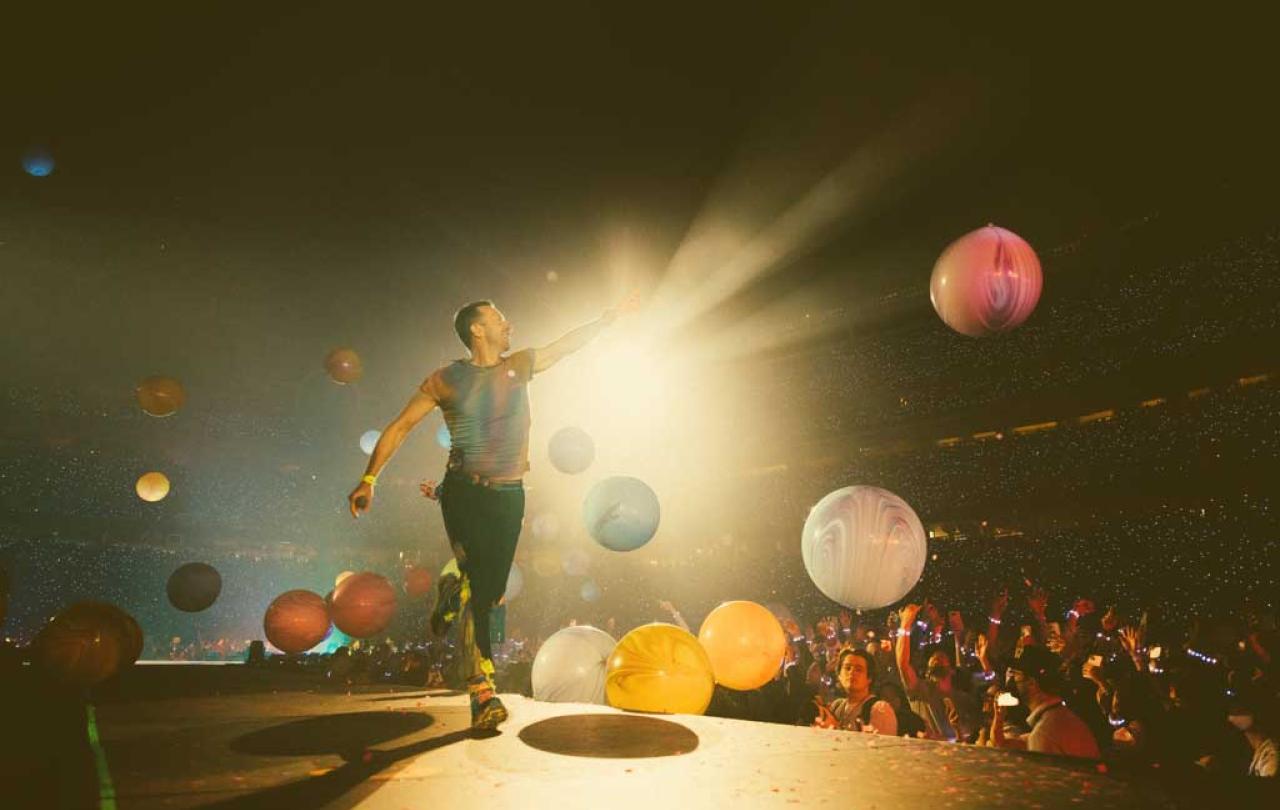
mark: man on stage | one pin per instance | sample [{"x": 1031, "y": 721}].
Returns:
[{"x": 486, "y": 408}]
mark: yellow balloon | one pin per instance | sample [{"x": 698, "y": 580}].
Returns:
[
  {"x": 745, "y": 644},
  {"x": 659, "y": 668},
  {"x": 152, "y": 487}
]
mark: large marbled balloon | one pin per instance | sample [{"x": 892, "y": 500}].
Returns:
[
  {"x": 659, "y": 668},
  {"x": 621, "y": 513},
  {"x": 986, "y": 282},
  {"x": 863, "y": 547},
  {"x": 570, "y": 666}
]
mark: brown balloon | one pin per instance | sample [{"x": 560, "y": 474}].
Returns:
[
  {"x": 160, "y": 396},
  {"x": 417, "y": 581},
  {"x": 363, "y": 604},
  {"x": 193, "y": 587},
  {"x": 87, "y": 643},
  {"x": 344, "y": 366},
  {"x": 296, "y": 621}
]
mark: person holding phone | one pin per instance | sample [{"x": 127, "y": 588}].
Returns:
[
  {"x": 1035, "y": 679},
  {"x": 950, "y": 712}
]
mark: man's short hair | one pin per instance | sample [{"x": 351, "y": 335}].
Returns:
[
  {"x": 463, "y": 318},
  {"x": 864, "y": 655},
  {"x": 1045, "y": 667}
]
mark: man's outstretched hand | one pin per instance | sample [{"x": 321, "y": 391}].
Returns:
[
  {"x": 360, "y": 498},
  {"x": 627, "y": 306}
]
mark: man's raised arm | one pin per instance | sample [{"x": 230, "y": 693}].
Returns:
[
  {"x": 547, "y": 356},
  {"x": 389, "y": 442}
]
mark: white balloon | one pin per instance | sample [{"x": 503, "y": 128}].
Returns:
[
  {"x": 863, "y": 547},
  {"x": 570, "y": 667},
  {"x": 576, "y": 563},
  {"x": 369, "y": 440},
  {"x": 546, "y": 526}
]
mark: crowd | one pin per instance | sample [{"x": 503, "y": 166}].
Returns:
[{"x": 1094, "y": 683}]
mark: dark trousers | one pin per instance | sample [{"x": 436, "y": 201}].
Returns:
[{"x": 483, "y": 524}]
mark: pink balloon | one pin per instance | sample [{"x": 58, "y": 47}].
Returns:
[{"x": 986, "y": 282}]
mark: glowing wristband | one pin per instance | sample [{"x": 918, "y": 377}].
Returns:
[
  {"x": 371, "y": 480},
  {"x": 993, "y": 620}
]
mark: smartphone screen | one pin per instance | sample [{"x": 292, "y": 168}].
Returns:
[
  {"x": 1155, "y": 651},
  {"x": 1006, "y": 699}
]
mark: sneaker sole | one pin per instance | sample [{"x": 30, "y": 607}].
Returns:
[{"x": 491, "y": 718}]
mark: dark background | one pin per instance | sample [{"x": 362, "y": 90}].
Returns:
[{"x": 240, "y": 189}]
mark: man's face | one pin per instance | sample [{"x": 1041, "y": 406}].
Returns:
[
  {"x": 494, "y": 328},
  {"x": 1020, "y": 685},
  {"x": 853, "y": 675},
  {"x": 939, "y": 667}
]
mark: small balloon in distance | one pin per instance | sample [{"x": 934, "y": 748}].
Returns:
[
  {"x": 571, "y": 450},
  {"x": 37, "y": 162},
  {"x": 344, "y": 366},
  {"x": 152, "y": 487},
  {"x": 160, "y": 396}
]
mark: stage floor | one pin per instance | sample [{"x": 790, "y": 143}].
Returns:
[{"x": 411, "y": 749}]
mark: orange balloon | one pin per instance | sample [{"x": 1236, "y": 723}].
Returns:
[
  {"x": 152, "y": 487},
  {"x": 160, "y": 396},
  {"x": 86, "y": 644},
  {"x": 363, "y": 604},
  {"x": 344, "y": 366},
  {"x": 296, "y": 621},
  {"x": 417, "y": 581},
  {"x": 745, "y": 643}
]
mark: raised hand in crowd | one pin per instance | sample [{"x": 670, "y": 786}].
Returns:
[{"x": 1131, "y": 638}]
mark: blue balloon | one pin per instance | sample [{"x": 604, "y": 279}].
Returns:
[
  {"x": 443, "y": 438},
  {"x": 621, "y": 513},
  {"x": 38, "y": 163}
]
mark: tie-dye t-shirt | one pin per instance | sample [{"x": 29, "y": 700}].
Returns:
[{"x": 487, "y": 413}]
